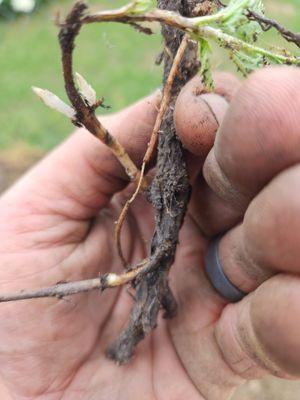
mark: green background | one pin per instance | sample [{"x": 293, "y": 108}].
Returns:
[{"x": 118, "y": 62}]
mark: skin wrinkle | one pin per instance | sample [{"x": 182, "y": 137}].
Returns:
[
  {"x": 73, "y": 240},
  {"x": 211, "y": 110},
  {"x": 251, "y": 346},
  {"x": 44, "y": 393},
  {"x": 38, "y": 272},
  {"x": 38, "y": 225},
  {"x": 238, "y": 264},
  {"x": 255, "y": 350},
  {"x": 223, "y": 355},
  {"x": 184, "y": 369},
  {"x": 196, "y": 223},
  {"x": 41, "y": 351},
  {"x": 268, "y": 359},
  {"x": 52, "y": 201},
  {"x": 234, "y": 378},
  {"x": 251, "y": 267},
  {"x": 219, "y": 182},
  {"x": 220, "y": 332},
  {"x": 266, "y": 121},
  {"x": 100, "y": 329}
]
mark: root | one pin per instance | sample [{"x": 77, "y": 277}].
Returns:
[{"x": 152, "y": 143}]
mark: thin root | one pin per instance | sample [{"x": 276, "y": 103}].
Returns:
[{"x": 152, "y": 143}]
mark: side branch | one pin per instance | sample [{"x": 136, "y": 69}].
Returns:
[
  {"x": 62, "y": 290},
  {"x": 85, "y": 113},
  {"x": 199, "y": 26},
  {"x": 268, "y": 23}
]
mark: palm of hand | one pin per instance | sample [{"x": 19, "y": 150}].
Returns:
[{"x": 58, "y": 347}]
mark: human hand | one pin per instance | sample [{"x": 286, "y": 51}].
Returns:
[{"x": 57, "y": 225}]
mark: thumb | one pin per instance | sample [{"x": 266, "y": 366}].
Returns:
[{"x": 198, "y": 114}]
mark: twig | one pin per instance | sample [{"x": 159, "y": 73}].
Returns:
[
  {"x": 233, "y": 43},
  {"x": 85, "y": 114},
  {"x": 62, "y": 290},
  {"x": 268, "y": 23},
  {"x": 153, "y": 140},
  {"x": 192, "y": 25}
]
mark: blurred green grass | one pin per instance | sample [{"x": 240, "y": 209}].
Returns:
[{"x": 114, "y": 58}]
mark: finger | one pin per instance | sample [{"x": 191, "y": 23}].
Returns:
[
  {"x": 81, "y": 175},
  {"x": 267, "y": 242},
  {"x": 258, "y": 138},
  {"x": 222, "y": 346},
  {"x": 197, "y": 118},
  {"x": 197, "y": 115},
  {"x": 260, "y": 335},
  {"x": 199, "y": 306}
]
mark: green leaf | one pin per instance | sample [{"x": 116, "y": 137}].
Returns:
[
  {"x": 245, "y": 63},
  {"x": 236, "y": 22},
  {"x": 205, "y": 70}
]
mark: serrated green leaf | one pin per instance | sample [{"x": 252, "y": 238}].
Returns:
[
  {"x": 236, "y": 22},
  {"x": 205, "y": 70},
  {"x": 245, "y": 63}
]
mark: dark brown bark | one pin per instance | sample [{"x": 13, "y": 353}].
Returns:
[
  {"x": 268, "y": 23},
  {"x": 169, "y": 195}
]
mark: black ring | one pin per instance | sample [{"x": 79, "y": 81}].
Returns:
[{"x": 216, "y": 275}]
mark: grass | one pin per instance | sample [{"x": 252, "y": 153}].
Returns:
[{"x": 114, "y": 58}]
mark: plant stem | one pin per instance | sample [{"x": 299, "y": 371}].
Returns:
[
  {"x": 62, "y": 290},
  {"x": 197, "y": 26}
]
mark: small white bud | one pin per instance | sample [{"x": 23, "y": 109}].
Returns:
[
  {"x": 86, "y": 90},
  {"x": 54, "y": 102},
  {"x": 112, "y": 279}
]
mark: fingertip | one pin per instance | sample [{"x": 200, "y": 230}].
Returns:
[
  {"x": 198, "y": 114},
  {"x": 197, "y": 118},
  {"x": 195, "y": 122}
]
